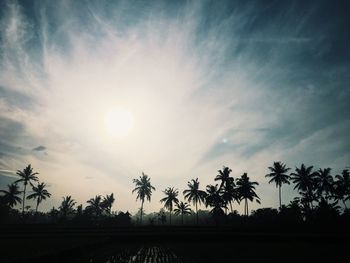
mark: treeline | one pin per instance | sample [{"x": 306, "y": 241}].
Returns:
[{"x": 319, "y": 199}]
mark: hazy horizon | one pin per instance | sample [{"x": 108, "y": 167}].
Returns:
[{"x": 200, "y": 85}]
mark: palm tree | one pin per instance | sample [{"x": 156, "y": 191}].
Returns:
[
  {"x": 169, "y": 199},
  {"x": 95, "y": 205},
  {"x": 246, "y": 190},
  {"x": 40, "y": 193},
  {"x": 183, "y": 209},
  {"x": 194, "y": 195},
  {"x": 278, "y": 175},
  {"x": 107, "y": 203},
  {"x": 215, "y": 200},
  {"x": 342, "y": 187},
  {"x": 143, "y": 189},
  {"x": 324, "y": 182},
  {"x": 26, "y": 176},
  {"x": 10, "y": 196},
  {"x": 67, "y": 206},
  {"x": 224, "y": 176},
  {"x": 304, "y": 180}
]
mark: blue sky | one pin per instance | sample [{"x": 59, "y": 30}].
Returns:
[{"x": 208, "y": 83}]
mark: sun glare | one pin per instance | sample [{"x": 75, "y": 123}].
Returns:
[{"x": 119, "y": 122}]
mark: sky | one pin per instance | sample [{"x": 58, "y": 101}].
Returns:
[{"x": 204, "y": 83}]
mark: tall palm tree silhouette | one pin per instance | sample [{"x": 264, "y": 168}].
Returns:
[
  {"x": 95, "y": 205},
  {"x": 324, "y": 183},
  {"x": 170, "y": 199},
  {"x": 67, "y": 206},
  {"x": 246, "y": 190},
  {"x": 182, "y": 209},
  {"x": 342, "y": 186},
  {"x": 26, "y": 176},
  {"x": 230, "y": 193},
  {"x": 215, "y": 200},
  {"x": 194, "y": 194},
  {"x": 279, "y": 176},
  {"x": 304, "y": 180},
  {"x": 143, "y": 189},
  {"x": 40, "y": 194},
  {"x": 224, "y": 176},
  {"x": 107, "y": 203},
  {"x": 10, "y": 197}
]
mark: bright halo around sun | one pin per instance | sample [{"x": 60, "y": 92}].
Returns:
[{"x": 119, "y": 122}]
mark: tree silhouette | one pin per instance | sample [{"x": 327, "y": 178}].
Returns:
[
  {"x": 224, "y": 176},
  {"x": 246, "y": 190},
  {"x": 194, "y": 195},
  {"x": 10, "y": 197},
  {"x": 67, "y": 206},
  {"x": 342, "y": 187},
  {"x": 324, "y": 183},
  {"x": 40, "y": 194},
  {"x": 143, "y": 189},
  {"x": 304, "y": 180},
  {"x": 170, "y": 199},
  {"x": 26, "y": 176},
  {"x": 107, "y": 203},
  {"x": 278, "y": 176},
  {"x": 215, "y": 200},
  {"x": 230, "y": 193},
  {"x": 95, "y": 205},
  {"x": 182, "y": 209}
]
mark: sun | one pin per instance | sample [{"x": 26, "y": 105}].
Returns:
[{"x": 119, "y": 122}]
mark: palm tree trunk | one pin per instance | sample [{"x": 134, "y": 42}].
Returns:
[
  {"x": 37, "y": 205},
  {"x": 170, "y": 216},
  {"x": 279, "y": 190},
  {"x": 24, "y": 198},
  {"x": 197, "y": 212},
  {"x": 231, "y": 207},
  {"x": 182, "y": 218},
  {"x": 141, "y": 209},
  {"x": 246, "y": 207}
]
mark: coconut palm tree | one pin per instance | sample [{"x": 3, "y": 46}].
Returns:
[
  {"x": 40, "y": 194},
  {"x": 246, "y": 190},
  {"x": 224, "y": 176},
  {"x": 170, "y": 199},
  {"x": 324, "y": 183},
  {"x": 95, "y": 205},
  {"x": 107, "y": 203},
  {"x": 194, "y": 194},
  {"x": 143, "y": 189},
  {"x": 342, "y": 187},
  {"x": 304, "y": 180},
  {"x": 215, "y": 200},
  {"x": 279, "y": 176},
  {"x": 26, "y": 176},
  {"x": 230, "y": 194},
  {"x": 10, "y": 197},
  {"x": 182, "y": 209},
  {"x": 67, "y": 206}
]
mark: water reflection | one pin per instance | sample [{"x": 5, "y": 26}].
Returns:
[{"x": 152, "y": 254}]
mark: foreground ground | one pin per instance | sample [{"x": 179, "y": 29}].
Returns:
[{"x": 45, "y": 243}]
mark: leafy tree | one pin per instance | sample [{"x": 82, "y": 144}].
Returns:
[
  {"x": 26, "y": 176},
  {"x": 67, "y": 206},
  {"x": 182, "y": 209},
  {"x": 304, "y": 180},
  {"x": 246, "y": 190},
  {"x": 10, "y": 197},
  {"x": 224, "y": 176},
  {"x": 170, "y": 199},
  {"x": 143, "y": 189},
  {"x": 40, "y": 194},
  {"x": 194, "y": 194},
  {"x": 278, "y": 175}
]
